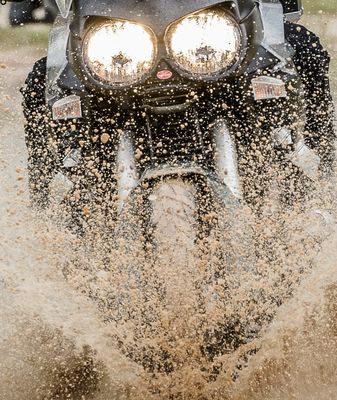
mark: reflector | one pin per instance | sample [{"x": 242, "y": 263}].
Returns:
[
  {"x": 67, "y": 108},
  {"x": 267, "y": 87}
]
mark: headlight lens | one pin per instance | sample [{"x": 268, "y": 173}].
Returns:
[
  {"x": 204, "y": 43},
  {"x": 119, "y": 52}
]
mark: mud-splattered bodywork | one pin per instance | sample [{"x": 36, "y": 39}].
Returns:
[{"x": 201, "y": 101}]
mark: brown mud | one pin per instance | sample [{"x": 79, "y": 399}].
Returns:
[{"x": 55, "y": 345}]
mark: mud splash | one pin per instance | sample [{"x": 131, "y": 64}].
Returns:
[
  {"x": 297, "y": 358},
  {"x": 56, "y": 344},
  {"x": 50, "y": 335}
]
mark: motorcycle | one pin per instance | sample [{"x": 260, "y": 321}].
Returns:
[
  {"x": 24, "y": 12},
  {"x": 170, "y": 117}
]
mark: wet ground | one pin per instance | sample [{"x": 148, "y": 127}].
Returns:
[{"x": 49, "y": 331}]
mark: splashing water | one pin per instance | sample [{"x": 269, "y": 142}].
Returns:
[
  {"x": 56, "y": 344},
  {"x": 52, "y": 334}
]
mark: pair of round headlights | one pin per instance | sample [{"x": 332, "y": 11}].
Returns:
[{"x": 202, "y": 44}]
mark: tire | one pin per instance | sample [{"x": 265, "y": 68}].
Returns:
[
  {"x": 41, "y": 162},
  {"x": 156, "y": 266},
  {"x": 173, "y": 294},
  {"x": 165, "y": 220},
  {"x": 174, "y": 213}
]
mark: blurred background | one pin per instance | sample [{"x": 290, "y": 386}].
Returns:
[
  {"x": 320, "y": 16},
  {"x": 314, "y": 6}
]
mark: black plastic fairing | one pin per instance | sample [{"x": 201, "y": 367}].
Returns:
[
  {"x": 157, "y": 14},
  {"x": 291, "y": 6}
]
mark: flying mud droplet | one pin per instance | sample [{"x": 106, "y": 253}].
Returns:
[{"x": 105, "y": 138}]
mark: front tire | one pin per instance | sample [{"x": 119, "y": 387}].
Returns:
[{"x": 181, "y": 261}]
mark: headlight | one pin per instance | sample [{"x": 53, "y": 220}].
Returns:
[
  {"x": 119, "y": 52},
  {"x": 204, "y": 43}
]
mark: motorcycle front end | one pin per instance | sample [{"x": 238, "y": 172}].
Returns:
[
  {"x": 170, "y": 120},
  {"x": 249, "y": 71}
]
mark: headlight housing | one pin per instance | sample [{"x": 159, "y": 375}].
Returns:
[
  {"x": 204, "y": 43},
  {"x": 119, "y": 53}
]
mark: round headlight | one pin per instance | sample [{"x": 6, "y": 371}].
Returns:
[
  {"x": 204, "y": 43},
  {"x": 119, "y": 52}
]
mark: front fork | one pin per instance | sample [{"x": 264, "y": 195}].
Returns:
[
  {"x": 225, "y": 163},
  {"x": 225, "y": 160}
]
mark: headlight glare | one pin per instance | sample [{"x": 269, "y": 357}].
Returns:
[
  {"x": 204, "y": 43},
  {"x": 119, "y": 52}
]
